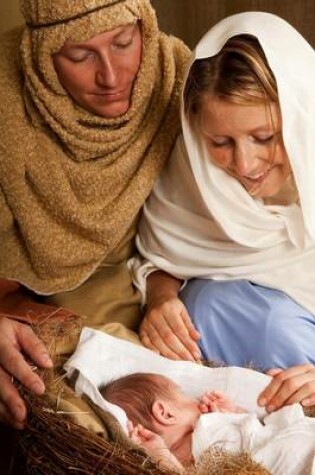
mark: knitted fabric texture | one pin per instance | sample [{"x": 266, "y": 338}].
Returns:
[
  {"x": 72, "y": 183},
  {"x": 39, "y": 13}
]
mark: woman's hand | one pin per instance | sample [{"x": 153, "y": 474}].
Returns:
[
  {"x": 167, "y": 328},
  {"x": 289, "y": 386},
  {"x": 18, "y": 339}
]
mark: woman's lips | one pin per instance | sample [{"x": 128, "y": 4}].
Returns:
[{"x": 258, "y": 177}]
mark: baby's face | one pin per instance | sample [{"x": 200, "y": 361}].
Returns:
[{"x": 188, "y": 413}]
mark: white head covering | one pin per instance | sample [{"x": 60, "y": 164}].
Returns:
[{"x": 201, "y": 222}]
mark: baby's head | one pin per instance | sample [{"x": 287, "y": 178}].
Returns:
[
  {"x": 155, "y": 402},
  {"x": 136, "y": 393}
]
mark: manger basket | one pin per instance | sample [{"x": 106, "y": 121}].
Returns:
[{"x": 56, "y": 442}]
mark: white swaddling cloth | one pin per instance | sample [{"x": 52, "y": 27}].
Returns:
[
  {"x": 101, "y": 358},
  {"x": 284, "y": 443}
]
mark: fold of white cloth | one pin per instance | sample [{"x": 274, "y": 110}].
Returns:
[
  {"x": 284, "y": 442},
  {"x": 101, "y": 358}
]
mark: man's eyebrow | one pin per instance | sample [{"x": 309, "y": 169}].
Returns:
[
  {"x": 125, "y": 29},
  {"x": 83, "y": 45}
]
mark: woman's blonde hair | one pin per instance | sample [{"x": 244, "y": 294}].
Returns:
[{"x": 239, "y": 73}]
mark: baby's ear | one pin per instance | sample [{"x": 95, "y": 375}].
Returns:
[{"x": 163, "y": 412}]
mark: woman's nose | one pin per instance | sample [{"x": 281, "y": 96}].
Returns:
[
  {"x": 106, "y": 74},
  {"x": 244, "y": 159}
]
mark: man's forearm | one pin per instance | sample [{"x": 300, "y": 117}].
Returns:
[{"x": 19, "y": 303}]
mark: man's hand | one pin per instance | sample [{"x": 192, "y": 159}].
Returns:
[{"x": 16, "y": 340}]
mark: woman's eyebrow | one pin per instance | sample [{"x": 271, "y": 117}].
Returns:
[{"x": 263, "y": 128}]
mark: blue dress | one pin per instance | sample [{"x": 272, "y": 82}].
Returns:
[{"x": 242, "y": 323}]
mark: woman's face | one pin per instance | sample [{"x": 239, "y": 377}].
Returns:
[
  {"x": 246, "y": 141},
  {"x": 99, "y": 73}
]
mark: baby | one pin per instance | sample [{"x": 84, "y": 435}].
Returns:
[
  {"x": 175, "y": 429},
  {"x": 161, "y": 417}
]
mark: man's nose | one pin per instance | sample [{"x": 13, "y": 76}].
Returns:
[{"x": 106, "y": 74}]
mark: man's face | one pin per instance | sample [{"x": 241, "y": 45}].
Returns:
[{"x": 99, "y": 73}]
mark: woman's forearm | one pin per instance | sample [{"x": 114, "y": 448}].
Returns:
[{"x": 161, "y": 286}]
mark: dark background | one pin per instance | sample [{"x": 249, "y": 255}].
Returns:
[{"x": 190, "y": 19}]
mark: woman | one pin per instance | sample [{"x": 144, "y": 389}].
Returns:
[
  {"x": 89, "y": 113},
  {"x": 234, "y": 207}
]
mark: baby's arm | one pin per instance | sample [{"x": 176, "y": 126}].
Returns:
[
  {"x": 215, "y": 401},
  {"x": 154, "y": 446}
]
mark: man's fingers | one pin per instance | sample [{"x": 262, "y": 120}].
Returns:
[
  {"x": 33, "y": 347},
  {"x": 17, "y": 340},
  {"x": 12, "y": 407},
  {"x": 14, "y": 364},
  {"x": 7, "y": 419}
]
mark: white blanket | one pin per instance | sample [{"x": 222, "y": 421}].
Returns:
[
  {"x": 284, "y": 444},
  {"x": 100, "y": 358}
]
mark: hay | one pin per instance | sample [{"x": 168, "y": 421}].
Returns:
[
  {"x": 54, "y": 443},
  {"x": 216, "y": 461}
]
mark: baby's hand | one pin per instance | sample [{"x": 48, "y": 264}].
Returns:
[
  {"x": 154, "y": 446},
  {"x": 148, "y": 440},
  {"x": 215, "y": 401}
]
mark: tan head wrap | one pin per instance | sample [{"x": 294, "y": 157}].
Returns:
[{"x": 72, "y": 182}]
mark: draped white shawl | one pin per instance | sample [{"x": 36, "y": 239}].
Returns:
[{"x": 200, "y": 222}]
